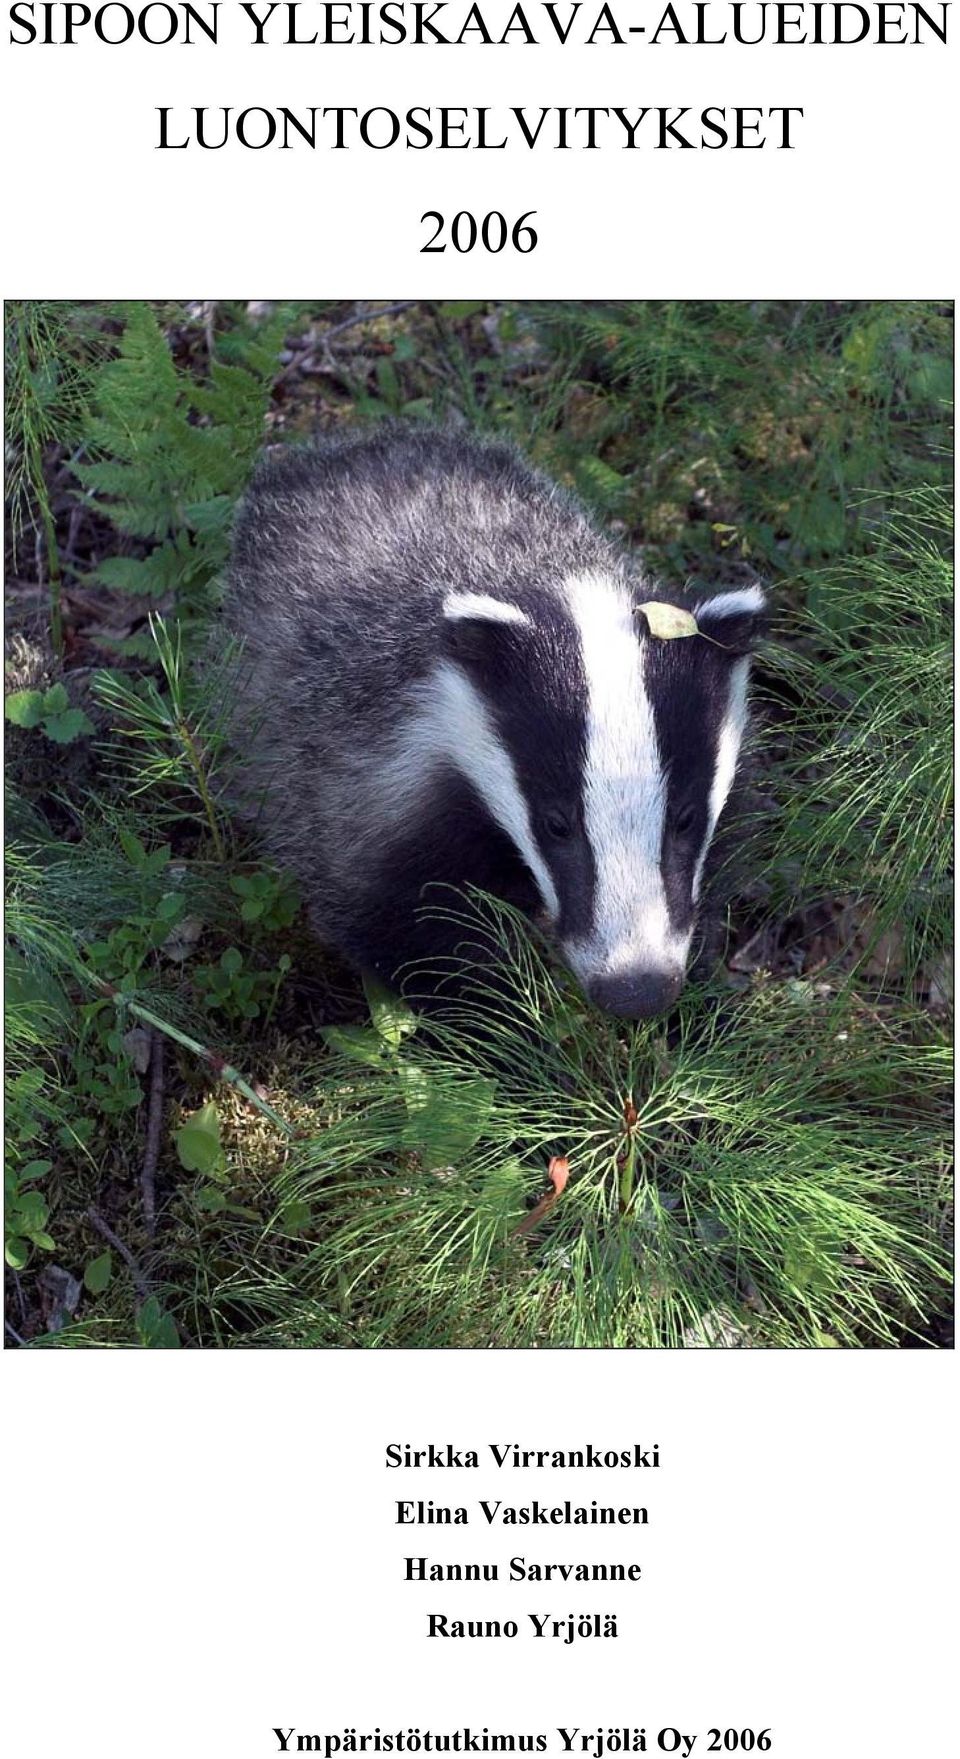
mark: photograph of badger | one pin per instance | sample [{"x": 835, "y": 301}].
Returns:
[
  {"x": 479, "y": 822},
  {"x": 448, "y": 678}
]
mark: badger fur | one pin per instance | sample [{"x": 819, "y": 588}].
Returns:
[{"x": 446, "y": 677}]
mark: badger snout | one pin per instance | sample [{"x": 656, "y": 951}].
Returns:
[{"x": 635, "y": 995}]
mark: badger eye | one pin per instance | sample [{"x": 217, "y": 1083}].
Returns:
[
  {"x": 557, "y": 825},
  {"x": 684, "y": 821}
]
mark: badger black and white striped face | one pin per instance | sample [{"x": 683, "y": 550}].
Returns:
[{"x": 606, "y": 754}]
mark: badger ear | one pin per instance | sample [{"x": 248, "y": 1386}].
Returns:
[
  {"x": 734, "y": 620},
  {"x": 477, "y": 627}
]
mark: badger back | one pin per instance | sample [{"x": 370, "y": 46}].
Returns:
[
  {"x": 345, "y": 553},
  {"x": 379, "y": 521}
]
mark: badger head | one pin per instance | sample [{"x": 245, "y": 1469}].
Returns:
[{"x": 606, "y": 753}]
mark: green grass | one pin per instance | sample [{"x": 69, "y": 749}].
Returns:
[
  {"x": 770, "y": 1166},
  {"x": 797, "y": 1206},
  {"x": 865, "y": 780}
]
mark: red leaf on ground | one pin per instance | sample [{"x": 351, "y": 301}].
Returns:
[{"x": 558, "y": 1173}]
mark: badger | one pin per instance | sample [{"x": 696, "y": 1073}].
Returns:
[{"x": 447, "y": 679}]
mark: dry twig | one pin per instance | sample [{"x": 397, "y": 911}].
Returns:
[{"x": 139, "y": 1280}]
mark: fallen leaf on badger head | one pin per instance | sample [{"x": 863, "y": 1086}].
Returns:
[{"x": 668, "y": 622}]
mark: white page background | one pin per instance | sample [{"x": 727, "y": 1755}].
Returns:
[
  {"x": 198, "y": 1548},
  {"x": 861, "y": 206},
  {"x": 212, "y": 1550}
]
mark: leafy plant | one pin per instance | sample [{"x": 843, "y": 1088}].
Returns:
[
  {"x": 97, "y": 1274},
  {"x": 170, "y": 455},
  {"x": 50, "y": 711},
  {"x": 229, "y": 988},
  {"x": 156, "y": 1328},
  {"x": 267, "y": 897},
  {"x": 50, "y": 358},
  {"x": 25, "y": 1212}
]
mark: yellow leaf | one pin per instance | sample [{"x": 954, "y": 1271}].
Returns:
[{"x": 668, "y": 622}]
